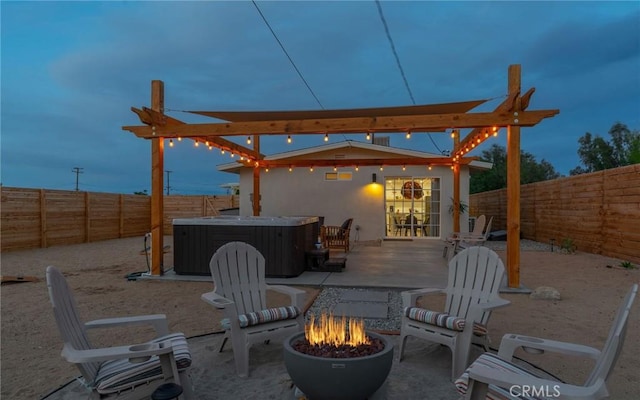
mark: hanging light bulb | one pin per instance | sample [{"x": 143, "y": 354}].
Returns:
[
  {"x": 207, "y": 143},
  {"x": 196, "y": 144},
  {"x": 381, "y": 168},
  {"x": 179, "y": 138},
  {"x": 408, "y": 134},
  {"x": 266, "y": 169},
  {"x": 404, "y": 167},
  {"x": 368, "y": 136},
  {"x": 248, "y": 139},
  {"x": 232, "y": 155},
  {"x": 210, "y": 147},
  {"x": 335, "y": 168},
  {"x": 290, "y": 168},
  {"x": 429, "y": 167},
  {"x": 241, "y": 158},
  {"x": 453, "y": 134},
  {"x": 357, "y": 168},
  {"x": 221, "y": 151},
  {"x": 170, "y": 142},
  {"x": 310, "y": 169},
  {"x": 289, "y": 139},
  {"x": 326, "y": 137}
]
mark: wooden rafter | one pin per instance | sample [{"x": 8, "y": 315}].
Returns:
[
  {"x": 356, "y": 162},
  {"x": 344, "y": 125}
]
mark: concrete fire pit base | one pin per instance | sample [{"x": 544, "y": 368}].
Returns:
[{"x": 322, "y": 378}]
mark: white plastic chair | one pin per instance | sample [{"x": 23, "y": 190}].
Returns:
[
  {"x": 492, "y": 376},
  {"x": 238, "y": 272},
  {"x": 122, "y": 372},
  {"x": 472, "y": 293}
]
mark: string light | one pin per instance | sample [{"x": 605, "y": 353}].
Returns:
[
  {"x": 207, "y": 143},
  {"x": 179, "y": 138},
  {"x": 335, "y": 168},
  {"x": 326, "y": 137},
  {"x": 290, "y": 168},
  {"x": 429, "y": 167},
  {"x": 221, "y": 151},
  {"x": 408, "y": 134},
  {"x": 453, "y": 134},
  {"x": 232, "y": 155},
  {"x": 310, "y": 169},
  {"x": 404, "y": 167},
  {"x": 357, "y": 168},
  {"x": 381, "y": 168},
  {"x": 170, "y": 142},
  {"x": 210, "y": 147},
  {"x": 266, "y": 169},
  {"x": 368, "y": 136},
  {"x": 248, "y": 139},
  {"x": 196, "y": 144},
  {"x": 289, "y": 139}
]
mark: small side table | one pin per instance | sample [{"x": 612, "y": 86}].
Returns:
[{"x": 316, "y": 258}]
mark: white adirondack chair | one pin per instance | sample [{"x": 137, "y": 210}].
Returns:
[
  {"x": 238, "y": 272},
  {"x": 472, "y": 293},
  {"x": 451, "y": 241},
  {"x": 492, "y": 376},
  {"x": 469, "y": 241},
  {"x": 122, "y": 372}
]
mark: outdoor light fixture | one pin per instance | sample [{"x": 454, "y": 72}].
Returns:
[
  {"x": 374, "y": 178},
  {"x": 326, "y": 137},
  {"x": 368, "y": 136},
  {"x": 310, "y": 169},
  {"x": 356, "y": 167},
  {"x": 289, "y": 139},
  {"x": 404, "y": 167},
  {"x": 429, "y": 167},
  {"x": 453, "y": 134},
  {"x": 335, "y": 168},
  {"x": 170, "y": 142},
  {"x": 381, "y": 168},
  {"x": 248, "y": 139},
  {"x": 290, "y": 169},
  {"x": 221, "y": 151},
  {"x": 196, "y": 143},
  {"x": 232, "y": 155},
  {"x": 266, "y": 170},
  {"x": 210, "y": 147},
  {"x": 408, "y": 134}
]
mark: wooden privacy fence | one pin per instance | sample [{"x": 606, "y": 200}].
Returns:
[
  {"x": 33, "y": 218},
  {"x": 599, "y": 212}
]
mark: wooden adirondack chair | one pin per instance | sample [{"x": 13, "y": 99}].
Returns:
[
  {"x": 472, "y": 293},
  {"x": 122, "y": 372},
  {"x": 238, "y": 272},
  {"x": 336, "y": 237},
  {"x": 491, "y": 376}
]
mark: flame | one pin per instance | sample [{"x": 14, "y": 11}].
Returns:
[{"x": 335, "y": 331}]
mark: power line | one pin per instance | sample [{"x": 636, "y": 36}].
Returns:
[
  {"x": 395, "y": 54},
  {"x": 287, "y": 54}
]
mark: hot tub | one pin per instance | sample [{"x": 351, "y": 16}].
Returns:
[{"x": 281, "y": 240}]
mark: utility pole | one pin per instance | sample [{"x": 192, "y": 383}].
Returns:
[
  {"x": 168, "y": 185},
  {"x": 78, "y": 171}
]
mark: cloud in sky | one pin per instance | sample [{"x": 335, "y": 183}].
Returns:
[{"x": 72, "y": 70}]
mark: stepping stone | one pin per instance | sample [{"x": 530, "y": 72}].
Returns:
[
  {"x": 361, "y": 310},
  {"x": 365, "y": 295}
]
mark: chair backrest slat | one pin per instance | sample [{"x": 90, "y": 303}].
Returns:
[
  {"x": 613, "y": 346},
  {"x": 70, "y": 326},
  {"x": 238, "y": 271}
]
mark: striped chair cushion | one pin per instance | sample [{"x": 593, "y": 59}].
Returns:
[
  {"x": 442, "y": 320},
  {"x": 495, "y": 392},
  {"x": 264, "y": 316},
  {"x": 117, "y": 375}
]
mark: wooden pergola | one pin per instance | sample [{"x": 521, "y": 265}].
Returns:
[{"x": 511, "y": 114}]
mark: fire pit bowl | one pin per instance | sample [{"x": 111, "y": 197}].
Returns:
[{"x": 323, "y": 378}]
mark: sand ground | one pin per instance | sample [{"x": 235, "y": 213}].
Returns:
[{"x": 592, "y": 287}]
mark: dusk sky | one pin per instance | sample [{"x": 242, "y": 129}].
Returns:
[{"x": 71, "y": 71}]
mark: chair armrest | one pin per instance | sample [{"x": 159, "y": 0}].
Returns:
[
  {"x": 510, "y": 342},
  {"x": 516, "y": 383},
  {"x": 410, "y": 297},
  {"x": 216, "y": 300},
  {"x": 136, "y": 353},
  {"x": 492, "y": 305},
  {"x": 158, "y": 321},
  {"x": 297, "y": 296}
]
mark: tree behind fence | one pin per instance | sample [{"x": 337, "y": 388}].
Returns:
[
  {"x": 599, "y": 212},
  {"x": 33, "y": 218}
]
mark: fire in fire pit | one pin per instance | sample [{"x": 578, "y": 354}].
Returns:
[
  {"x": 337, "y": 359},
  {"x": 333, "y": 337}
]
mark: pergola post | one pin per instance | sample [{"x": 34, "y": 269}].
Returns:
[
  {"x": 256, "y": 178},
  {"x": 157, "y": 175},
  {"x": 513, "y": 183},
  {"x": 456, "y": 183}
]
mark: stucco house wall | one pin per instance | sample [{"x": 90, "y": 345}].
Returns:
[{"x": 303, "y": 192}]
